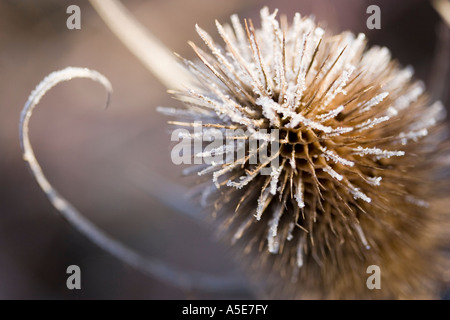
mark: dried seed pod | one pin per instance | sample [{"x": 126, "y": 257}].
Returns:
[{"x": 359, "y": 157}]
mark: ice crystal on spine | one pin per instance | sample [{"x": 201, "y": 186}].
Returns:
[{"x": 351, "y": 127}]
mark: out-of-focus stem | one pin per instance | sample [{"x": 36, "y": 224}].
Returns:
[
  {"x": 145, "y": 46},
  {"x": 443, "y": 7},
  {"x": 441, "y": 64}
]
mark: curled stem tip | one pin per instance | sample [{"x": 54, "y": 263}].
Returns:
[{"x": 148, "y": 265}]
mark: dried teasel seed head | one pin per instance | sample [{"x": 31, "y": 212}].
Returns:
[{"x": 360, "y": 151}]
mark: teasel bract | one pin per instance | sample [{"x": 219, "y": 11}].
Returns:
[{"x": 360, "y": 159}]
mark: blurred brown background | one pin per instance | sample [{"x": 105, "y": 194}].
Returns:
[{"x": 114, "y": 165}]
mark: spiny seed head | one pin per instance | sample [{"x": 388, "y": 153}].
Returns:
[{"x": 358, "y": 152}]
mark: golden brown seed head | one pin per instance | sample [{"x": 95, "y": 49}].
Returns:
[{"x": 359, "y": 152}]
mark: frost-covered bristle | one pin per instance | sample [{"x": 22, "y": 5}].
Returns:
[
  {"x": 333, "y": 173},
  {"x": 351, "y": 126},
  {"x": 332, "y": 156}
]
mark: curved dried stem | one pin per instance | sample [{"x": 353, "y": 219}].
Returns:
[
  {"x": 151, "y": 266},
  {"x": 147, "y": 48},
  {"x": 441, "y": 64},
  {"x": 443, "y": 7}
]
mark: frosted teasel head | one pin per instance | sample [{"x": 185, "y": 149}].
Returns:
[
  {"x": 362, "y": 156},
  {"x": 358, "y": 147}
]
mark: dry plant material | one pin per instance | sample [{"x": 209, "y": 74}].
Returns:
[
  {"x": 361, "y": 159},
  {"x": 148, "y": 265}
]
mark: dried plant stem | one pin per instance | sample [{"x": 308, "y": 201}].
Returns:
[
  {"x": 443, "y": 7},
  {"x": 146, "y": 47},
  {"x": 441, "y": 64},
  {"x": 151, "y": 266}
]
